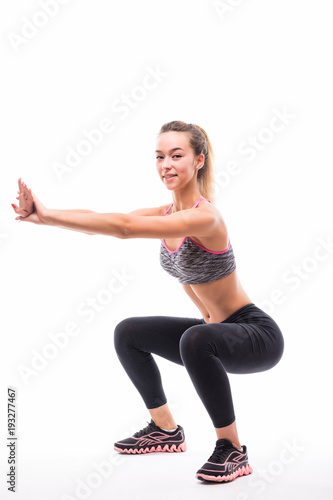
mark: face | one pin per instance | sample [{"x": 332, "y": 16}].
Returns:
[{"x": 175, "y": 160}]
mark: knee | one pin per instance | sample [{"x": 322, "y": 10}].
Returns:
[
  {"x": 193, "y": 342},
  {"x": 122, "y": 334}
]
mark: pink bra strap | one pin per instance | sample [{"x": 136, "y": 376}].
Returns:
[
  {"x": 197, "y": 203},
  {"x": 167, "y": 210}
]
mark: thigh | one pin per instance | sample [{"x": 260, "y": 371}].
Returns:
[
  {"x": 248, "y": 341},
  {"x": 157, "y": 334},
  {"x": 243, "y": 348}
]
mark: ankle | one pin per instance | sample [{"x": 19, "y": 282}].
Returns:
[
  {"x": 163, "y": 417},
  {"x": 166, "y": 425},
  {"x": 235, "y": 443}
]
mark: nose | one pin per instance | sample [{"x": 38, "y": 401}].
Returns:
[{"x": 166, "y": 163}]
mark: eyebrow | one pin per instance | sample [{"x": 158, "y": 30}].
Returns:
[{"x": 173, "y": 149}]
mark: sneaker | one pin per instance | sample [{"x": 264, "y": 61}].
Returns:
[
  {"x": 153, "y": 438},
  {"x": 225, "y": 464}
]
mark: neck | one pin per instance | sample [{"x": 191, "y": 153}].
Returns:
[{"x": 183, "y": 201}]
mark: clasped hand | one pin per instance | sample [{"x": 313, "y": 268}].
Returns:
[{"x": 30, "y": 209}]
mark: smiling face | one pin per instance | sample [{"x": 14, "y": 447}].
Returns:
[{"x": 175, "y": 160}]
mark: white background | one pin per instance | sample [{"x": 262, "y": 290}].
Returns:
[{"x": 228, "y": 70}]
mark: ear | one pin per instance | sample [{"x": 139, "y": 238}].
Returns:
[{"x": 201, "y": 161}]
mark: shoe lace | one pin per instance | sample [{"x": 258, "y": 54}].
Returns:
[
  {"x": 221, "y": 451},
  {"x": 146, "y": 430}
]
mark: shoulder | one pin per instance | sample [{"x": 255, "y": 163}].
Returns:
[
  {"x": 210, "y": 209},
  {"x": 215, "y": 233},
  {"x": 151, "y": 211}
]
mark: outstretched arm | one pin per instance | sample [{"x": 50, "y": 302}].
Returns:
[
  {"x": 119, "y": 225},
  {"x": 29, "y": 205},
  {"x": 191, "y": 221},
  {"x": 87, "y": 222}
]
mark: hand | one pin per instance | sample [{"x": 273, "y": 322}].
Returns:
[
  {"x": 30, "y": 209},
  {"x": 26, "y": 204}
]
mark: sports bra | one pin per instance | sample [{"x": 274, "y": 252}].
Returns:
[{"x": 192, "y": 263}]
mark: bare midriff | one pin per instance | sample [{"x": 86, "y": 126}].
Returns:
[{"x": 218, "y": 299}]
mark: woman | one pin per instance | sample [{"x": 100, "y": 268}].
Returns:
[{"x": 232, "y": 336}]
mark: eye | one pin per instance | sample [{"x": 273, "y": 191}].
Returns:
[{"x": 177, "y": 156}]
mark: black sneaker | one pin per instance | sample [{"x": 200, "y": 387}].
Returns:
[
  {"x": 225, "y": 464},
  {"x": 153, "y": 438}
]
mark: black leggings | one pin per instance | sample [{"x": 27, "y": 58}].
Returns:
[{"x": 248, "y": 341}]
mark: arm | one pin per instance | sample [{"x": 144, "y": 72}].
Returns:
[
  {"x": 191, "y": 221},
  {"x": 27, "y": 202},
  {"x": 139, "y": 211},
  {"x": 79, "y": 210},
  {"x": 86, "y": 222},
  {"x": 119, "y": 225},
  {"x": 149, "y": 211}
]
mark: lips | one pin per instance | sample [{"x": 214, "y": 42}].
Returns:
[{"x": 169, "y": 176}]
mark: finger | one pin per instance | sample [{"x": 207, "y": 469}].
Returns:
[
  {"x": 26, "y": 191},
  {"x": 22, "y": 218},
  {"x": 20, "y": 211},
  {"x": 24, "y": 186}
]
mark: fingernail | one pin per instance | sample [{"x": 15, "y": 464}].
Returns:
[{"x": 13, "y": 205}]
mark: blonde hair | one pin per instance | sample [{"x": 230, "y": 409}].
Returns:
[{"x": 200, "y": 143}]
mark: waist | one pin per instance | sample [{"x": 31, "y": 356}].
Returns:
[{"x": 248, "y": 313}]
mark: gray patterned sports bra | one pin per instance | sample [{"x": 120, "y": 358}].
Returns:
[{"x": 192, "y": 263}]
